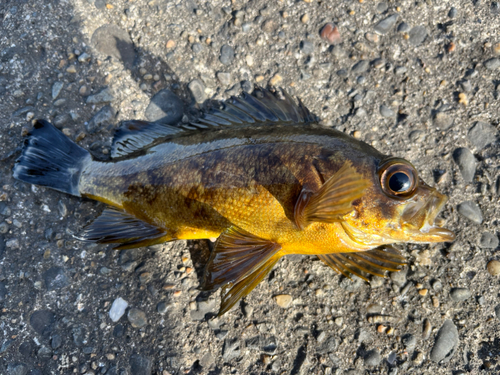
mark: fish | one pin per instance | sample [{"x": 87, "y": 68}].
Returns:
[{"x": 256, "y": 172}]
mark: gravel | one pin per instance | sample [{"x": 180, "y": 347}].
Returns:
[
  {"x": 384, "y": 26},
  {"x": 117, "y": 309},
  {"x": 197, "y": 90},
  {"x": 471, "y": 211},
  {"x": 417, "y": 34},
  {"x": 482, "y": 135},
  {"x": 446, "y": 343},
  {"x": 488, "y": 241},
  {"x": 226, "y": 54},
  {"x": 165, "y": 107},
  {"x": 460, "y": 294},
  {"x": 466, "y": 163}
]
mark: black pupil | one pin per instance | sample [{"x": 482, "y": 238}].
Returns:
[{"x": 399, "y": 182}]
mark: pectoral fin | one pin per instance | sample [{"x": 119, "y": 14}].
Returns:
[
  {"x": 365, "y": 263},
  {"x": 114, "y": 226},
  {"x": 239, "y": 262},
  {"x": 333, "y": 200}
]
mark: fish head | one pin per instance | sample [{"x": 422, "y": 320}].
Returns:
[{"x": 398, "y": 206}]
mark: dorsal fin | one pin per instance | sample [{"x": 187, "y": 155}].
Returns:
[
  {"x": 135, "y": 135},
  {"x": 262, "y": 106}
]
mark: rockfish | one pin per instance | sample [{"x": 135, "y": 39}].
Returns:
[{"x": 259, "y": 174}]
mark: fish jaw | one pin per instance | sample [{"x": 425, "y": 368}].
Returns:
[{"x": 418, "y": 218}]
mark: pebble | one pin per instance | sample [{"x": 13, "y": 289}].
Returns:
[
  {"x": 113, "y": 41},
  {"x": 140, "y": 365},
  {"x": 17, "y": 369},
  {"x": 55, "y": 278},
  {"x": 471, "y": 211},
  {"x": 226, "y": 54},
  {"x": 137, "y": 318},
  {"x": 231, "y": 349},
  {"x": 165, "y": 107},
  {"x": 463, "y": 99},
  {"x": 399, "y": 278},
  {"x": 493, "y": 268},
  {"x": 202, "y": 308},
  {"x": 372, "y": 358},
  {"x": 386, "y": 111},
  {"x": 56, "y": 89},
  {"x": 409, "y": 341},
  {"x": 460, "y": 294},
  {"x": 224, "y": 78},
  {"x": 283, "y": 300},
  {"x": 417, "y": 35},
  {"x": 466, "y": 163},
  {"x": 306, "y": 47},
  {"x": 492, "y": 64},
  {"x": 117, "y": 309},
  {"x": 269, "y": 26},
  {"x": 43, "y": 321},
  {"x": 446, "y": 343},
  {"x": 197, "y": 90},
  {"x": 71, "y": 69},
  {"x": 403, "y": 27},
  {"x": 103, "y": 117},
  {"x": 443, "y": 121},
  {"x": 84, "y": 57},
  {"x": 331, "y": 34},
  {"x": 103, "y": 97},
  {"x": 382, "y": 7},
  {"x": 453, "y": 12},
  {"x": 482, "y": 135},
  {"x": 247, "y": 86},
  {"x": 488, "y": 241},
  {"x": 305, "y": 18},
  {"x": 275, "y": 80},
  {"x": 361, "y": 66},
  {"x": 385, "y": 25}
]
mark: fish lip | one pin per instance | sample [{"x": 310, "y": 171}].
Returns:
[{"x": 421, "y": 222}]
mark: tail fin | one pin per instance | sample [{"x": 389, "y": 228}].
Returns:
[{"x": 51, "y": 159}]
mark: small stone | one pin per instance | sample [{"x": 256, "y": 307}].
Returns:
[
  {"x": 162, "y": 307},
  {"x": 165, "y": 107},
  {"x": 84, "y": 57},
  {"x": 492, "y": 64},
  {"x": 140, "y": 365},
  {"x": 283, "y": 300},
  {"x": 110, "y": 40},
  {"x": 384, "y": 26},
  {"x": 403, "y": 27},
  {"x": 117, "y": 309},
  {"x": 170, "y": 44},
  {"x": 197, "y": 90},
  {"x": 372, "y": 358},
  {"x": 275, "y": 80},
  {"x": 247, "y": 86},
  {"x": 482, "y": 135},
  {"x": 466, "y": 163},
  {"x": 463, "y": 99},
  {"x": 361, "y": 66},
  {"x": 305, "y": 18},
  {"x": 488, "y": 241},
  {"x": 307, "y": 47},
  {"x": 409, "y": 341},
  {"x": 493, "y": 268},
  {"x": 17, "y": 369},
  {"x": 42, "y": 321},
  {"x": 137, "y": 318},
  {"x": 446, "y": 343},
  {"x": 453, "y": 12},
  {"x": 56, "y": 89},
  {"x": 55, "y": 278},
  {"x": 400, "y": 70},
  {"x": 207, "y": 360},
  {"x": 71, "y": 69},
  {"x": 224, "y": 78},
  {"x": 226, "y": 54},
  {"x": 103, "y": 117},
  {"x": 231, "y": 349},
  {"x": 460, "y": 294},
  {"x": 102, "y": 97},
  {"x": 371, "y": 37},
  {"x": 269, "y": 26},
  {"x": 386, "y": 111},
  {"x": 443, "y": 121},
  {"x": 399, "y": 278},
  {"x": 382, "y": 7},
  {"x": 331, "y": 34},
  {"x": 471, "y": 211},
  {"x": 417, "y": 35}
]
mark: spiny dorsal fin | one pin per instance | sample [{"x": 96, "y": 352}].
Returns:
[
  {"x": 365, "y": 263},
  {"x": 262, "y": 106},
  {"x": 134, "y": 135},
  {"x": 333, "y": 200},
  {"x": 238, "y": 262},
  {"x": 114, "y": 226}
]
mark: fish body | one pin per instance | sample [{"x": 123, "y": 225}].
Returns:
[{"x": 260, "y": 175}]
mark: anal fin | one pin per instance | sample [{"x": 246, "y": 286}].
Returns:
[
  {"x": 114, "y": 226},
  {"x": 333, "y": 200},
  {"x": 239, "y": 261},
  {"x": 365, "y": 263}
]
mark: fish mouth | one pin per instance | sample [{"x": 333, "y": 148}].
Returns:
[{"x": 419, "y": 218}]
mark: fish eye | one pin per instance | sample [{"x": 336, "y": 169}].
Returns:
[{"x": 398, "y": 178}]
